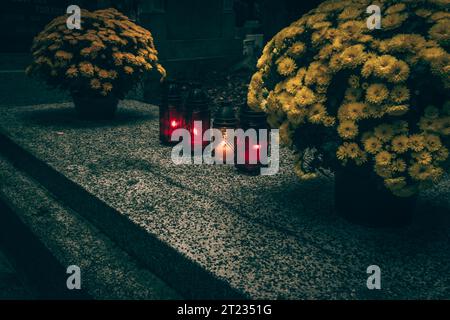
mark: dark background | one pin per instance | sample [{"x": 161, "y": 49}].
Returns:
[
  {"x": 197, "y": 40},
  {"x": 21, "y": 20}
]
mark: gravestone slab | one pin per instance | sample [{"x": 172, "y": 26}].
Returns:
[{"x": 264, "y": 237}]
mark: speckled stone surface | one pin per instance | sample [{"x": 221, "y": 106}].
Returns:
[
  {"x": 268, "y": 237},
  {"x": 106, "y": 271}
]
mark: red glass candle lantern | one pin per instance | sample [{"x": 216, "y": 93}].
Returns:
[
  {"x": 225, "y": 119},
  {"x": 171, "y": 113},
  {"x": 254, "y": 149},
  {"x": 198, "y": 118}
]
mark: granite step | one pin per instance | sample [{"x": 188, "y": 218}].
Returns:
[
  {"x": 43, "y": 238},
  {"x": 211, "y": 232}
]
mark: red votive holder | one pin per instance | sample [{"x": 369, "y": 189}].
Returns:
[
  {"x": 198, "y": 118},
  {"x": 171, "y": 113},
  {"x": 254, "y": 148}
]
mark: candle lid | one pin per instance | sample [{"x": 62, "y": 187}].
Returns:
[
  {"x": 197, "y": 99},
  {"x": 251, "y": 117},
  {"x": 172, "y": 91},
  {"x": 225, "y": 116}
]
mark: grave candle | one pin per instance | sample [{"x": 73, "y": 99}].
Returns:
[
  {"x": 171, "y": 113},
  {"x": 225, "y": 119},
  {"x": 250, "y": 119},
  {"x": 198, "y": 118}
]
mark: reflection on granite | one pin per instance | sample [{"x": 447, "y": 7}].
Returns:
[{"x": 267, "y": 236}]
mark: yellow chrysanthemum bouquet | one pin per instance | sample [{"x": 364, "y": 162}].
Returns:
[
  {"x": 378, "y": 100},
  {"x": 107, "y": 57}
]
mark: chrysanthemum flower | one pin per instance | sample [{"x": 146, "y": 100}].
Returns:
[
  {"x": 393, "y": 21},
  {"x": 384, "y": 132},
  {"x": 292, "y": 85},
  {"x": 297, "y": 49},
  {"x": 400, "y": 144},
  {"x": 86, "y": 69},
  {"x": 417, "y": 142},
  {"x": 257, "y": 81},
  {"x": 54, "y": 47},
  {"x": 368, "y": 68},
  {"x": 396, "y": 8},
  {"x": 352, "y": 111},
  {"x": 423, "y": 13},
  {"x": 442, "y": 154},
  {"x": 316, "y": 113},
  {"x": 285, "y": 134},
  {"x": 263, "y": 61},
  {"x": 426, "y": 124},
  {"x": 400, "y": 94},
  {"x": 328, "y": 121},
  {"x": 353, "y": 150},
  {"x": 305, "y": 97},
  {"x": 432, "y": 142},
  {"x": 325, "y": 52},
  {"x": 286, "y": 66},
  {"x": 419, "y": 172},
  {"x": 399, "y": 72},
  {"x": 440, "y": 32},
  {"x": 400, "y": 127},
  {"x": 373, "y": 145},
  {"x": 353, "y": 29},
  {"x": 398, "y": 110},
  {"x": 113, "y": 74},
  {"x": 104, "y": 74},
  {"x": 395, "y": 183},
  {"x": 383, "y": 158},
  {"x": 348, "y": 129},
  {"x": 384, "y": 171},
  {"x": 107, "y": 88},
  {"x": 440, "y": 15},
  {"x": 296, "y": 116},
  {"x": 341, "y": 153},
  {"x": 398, "y": 165},
  {"x": 377, "y": 93},
  {"x": 424, "y": 158},
  {"x": 353, "y": 56},
  {"x": 350, "y": 12},
  {"x": 63, "y": 55},
  {"x": 407, "y": 43},
  {"x": 335, "y": 63},
  {"x": 433, "y": 54},
  {"x": 72, "y": 72},
  {"x": 95, "y": 84},
  {"x": 128, "y": 70},
  {"x": 376, "y": 111},
  {"x": 383, "y": 65},
  {"x": 252, "y": 98}
]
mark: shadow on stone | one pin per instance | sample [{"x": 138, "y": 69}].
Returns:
[
  {"x": 68, "y": 118},
  {"x": 120, "y": 164}
]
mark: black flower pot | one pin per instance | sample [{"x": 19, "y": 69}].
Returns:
[
  {"x": 361, "y": 200},
  {"x": 98, "y": 108}
]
